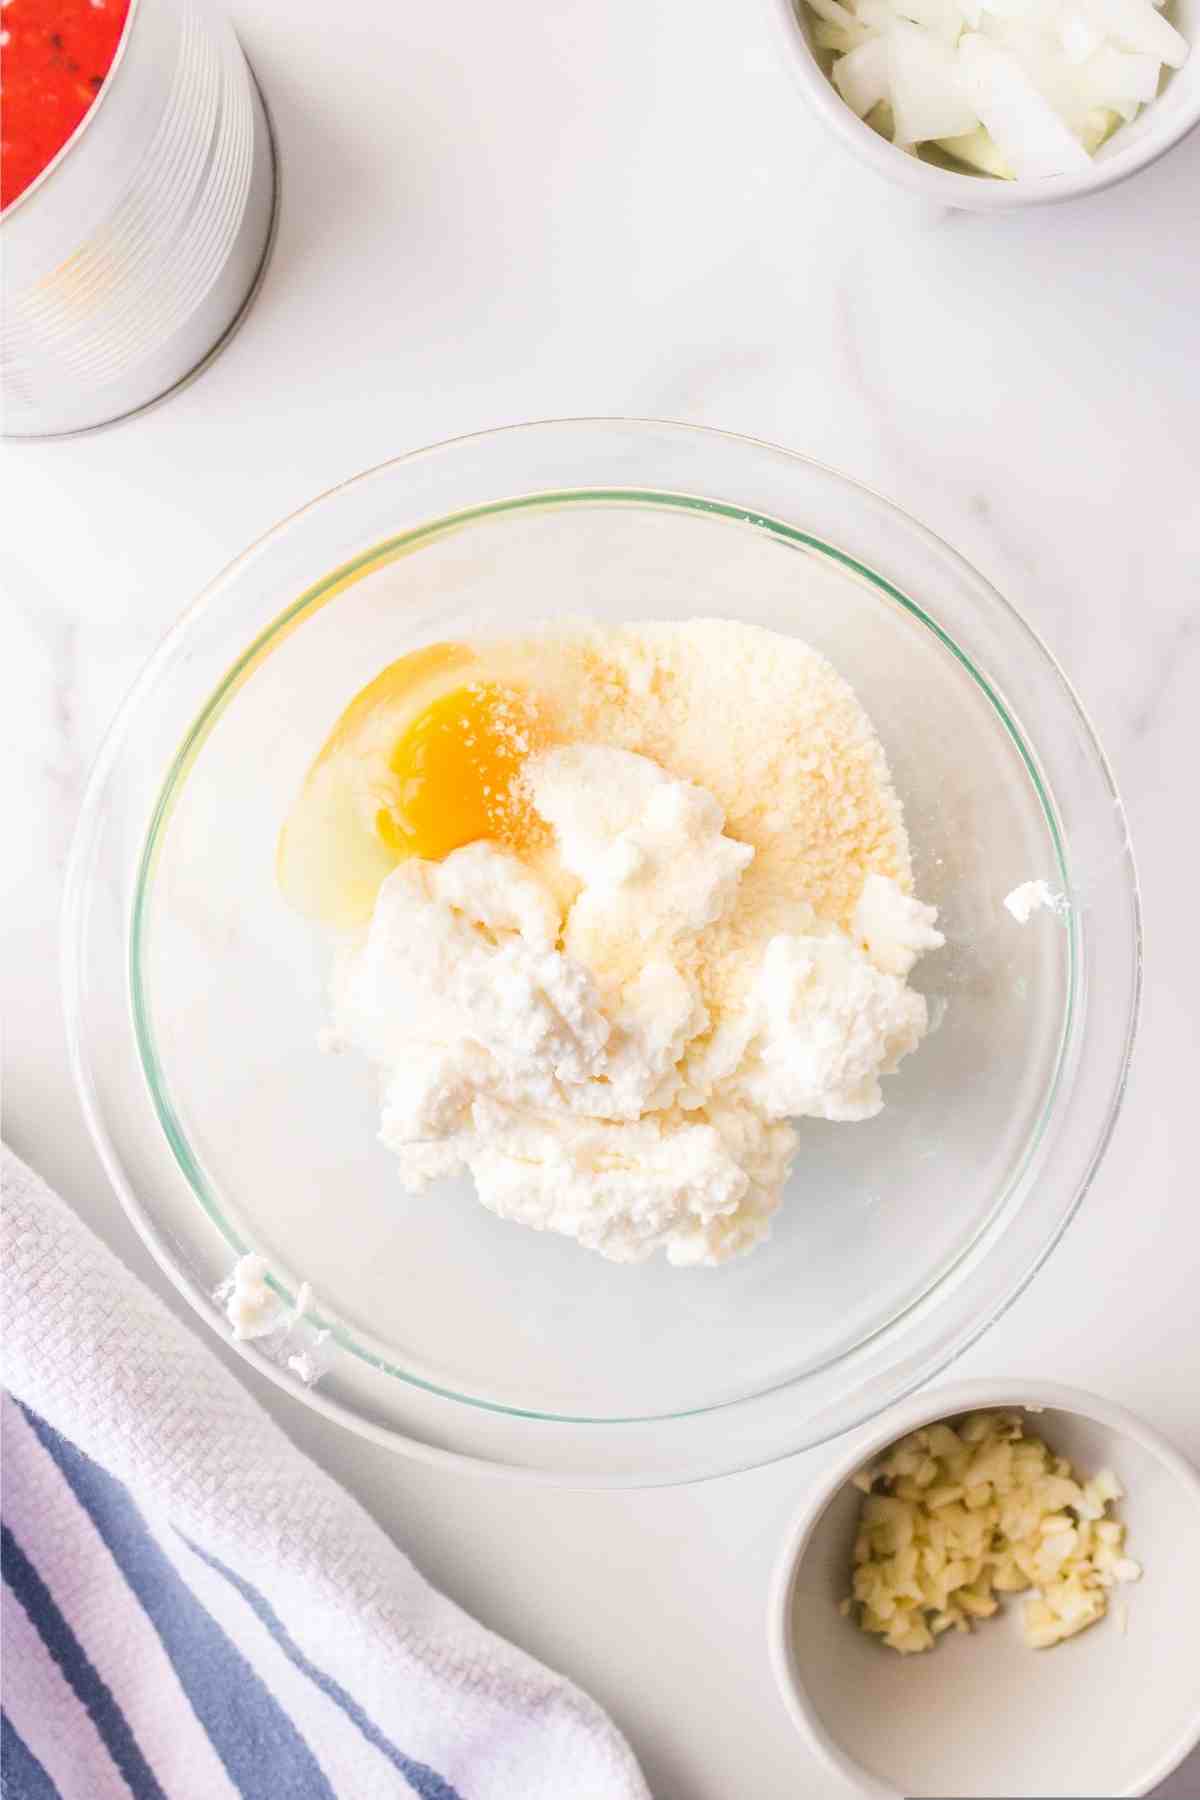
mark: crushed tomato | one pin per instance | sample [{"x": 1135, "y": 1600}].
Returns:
[{"x": 54, "y": 56}]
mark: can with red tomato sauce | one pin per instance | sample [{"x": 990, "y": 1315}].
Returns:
[{"x": 137, "y": 199}]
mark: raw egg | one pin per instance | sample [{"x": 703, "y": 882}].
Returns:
[{"x": 420, "y": 762}]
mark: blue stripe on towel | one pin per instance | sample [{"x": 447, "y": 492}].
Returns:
[
  {"x": 265, "y": 1755},
  {"x": 420, "y": 1777},
  {"x": 22, "y": 1776},
  {"x": 93, "y": 1693}
]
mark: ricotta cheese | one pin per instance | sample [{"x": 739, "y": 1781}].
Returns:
[
  {"x": 580, "y": 1057},
  {"x": 254, "y": 1310},
  {"x": 251, "y": 1306}
]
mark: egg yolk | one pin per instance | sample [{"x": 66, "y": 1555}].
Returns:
[
  {"x": 456, "y": 769},
  {"x": 425, "y": 758}
]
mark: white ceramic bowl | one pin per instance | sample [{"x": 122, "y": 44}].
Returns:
[
  {"x": 1158, "y": 126},
  {"x": 1110, "y": 1712}
]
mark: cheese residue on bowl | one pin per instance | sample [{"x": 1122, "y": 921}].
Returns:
[
  {"x": 1032, "y": 896},
  {"x": 955, "y": 1517}
]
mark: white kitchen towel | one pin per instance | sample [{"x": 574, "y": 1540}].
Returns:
[{"x": 193, "y": 1609}]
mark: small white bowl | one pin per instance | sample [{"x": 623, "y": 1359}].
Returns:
[
  {"x": 1168, "y": 118},
  {"x": 1110, "y": 1712}
]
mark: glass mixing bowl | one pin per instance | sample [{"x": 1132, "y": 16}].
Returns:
[{"x": 195, "y": 996}]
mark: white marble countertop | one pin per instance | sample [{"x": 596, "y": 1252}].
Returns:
[{"x": 493, "y": 214}]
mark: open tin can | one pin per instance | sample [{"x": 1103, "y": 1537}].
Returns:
[{"x": 133, "y": 255}]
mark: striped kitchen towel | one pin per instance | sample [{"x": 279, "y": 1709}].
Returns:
[{"x": 192, "y": 1609}]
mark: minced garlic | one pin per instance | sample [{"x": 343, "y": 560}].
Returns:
[{"x": 955, "y": 1516}]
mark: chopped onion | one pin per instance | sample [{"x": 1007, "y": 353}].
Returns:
[
  {"x": 834, "y": 13},
  {"x": 861, "y": 78},
  {"x": 1078, "y": 37},
  {"x": 1025, "y": 128},
  {"x": 876, "y": 15},
  {"x": 1023, "y": 89},
  {"x": 1056, "y": 80},
  {"x": 1011, "y": 9},
  {"x": 1115, "y": 78},
  {"x": 928, "y": 97},
  {"x": 835, "y": 37},
  {"x": 1135, "y": 25},
  {"x": 976, "y": 149},
  {"x": 941, "y": 17}
]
